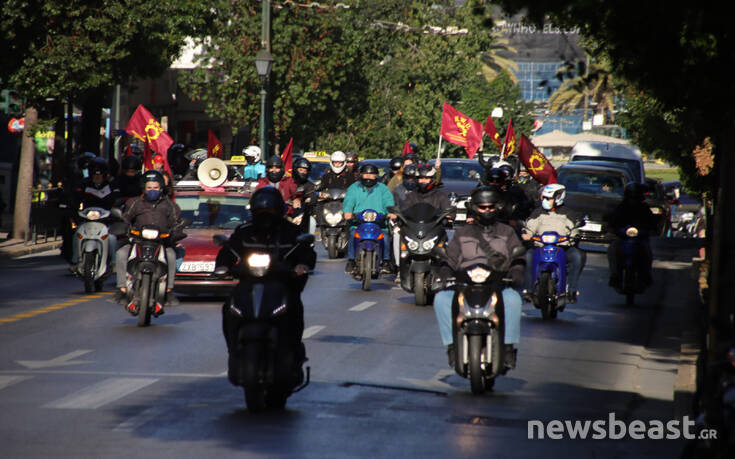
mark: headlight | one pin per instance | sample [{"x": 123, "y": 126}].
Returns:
[
  {"x": 370, "y": 216},
  {"x": 149, "y": 233},
  {"x": 549, "y": 239},
  {"x": 687, "y": 217},
  {"x": 478, "y": 275},
  {"x": 412, "y": 245},
  {"x": 93, "y": 215},
  {"x": 428, "y": 245},
  {"x": 333, "y": 219},
  {"x": 470, "y": 312},
  {"x": 631, "y": 232},
  {"x": 259, "y": 263},
  {"x": 656, "y": 210}
]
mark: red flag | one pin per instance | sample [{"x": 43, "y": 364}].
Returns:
[
  {"x": 492, "y": 132},
  {"x": 287, "y": 157},
  {"x": 535, "y": 162},
  {"x": 509, "y": 144},
  {"x": 147, "y": 157},
  {"x": 406, "y": 149},
  {"x": 460, "y": 129},
  {"x": 214, "y": 146},
  {"x": 145, "y": 127},
  {"x": 129, "y": 151}
]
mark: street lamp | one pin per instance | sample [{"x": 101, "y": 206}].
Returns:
[{"x": 263, "y": 64}]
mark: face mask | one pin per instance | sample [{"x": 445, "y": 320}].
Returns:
[
  {"x": 487, "y": 218},
  {"x": 369, "y": 183},
  {"x": 300, "y": 178},
  {"x": 274, "y": 176},
  {"x": 410, "y": 185},
  {"x": 265, "y": 221},
  {"x": 546, "y": 204},
  {"x": 153, "y": 195}
]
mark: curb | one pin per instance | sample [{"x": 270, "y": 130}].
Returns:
[{"x": 19, "y": 250}]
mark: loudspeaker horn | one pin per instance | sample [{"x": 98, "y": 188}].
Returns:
[{"x": 212, "y": 172}]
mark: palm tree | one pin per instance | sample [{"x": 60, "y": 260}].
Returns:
[
  {"x": 493, "y": 63},
  {"x": 585, "y": 83}
]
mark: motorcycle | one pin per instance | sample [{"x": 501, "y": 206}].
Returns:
[
  {"x": 334, "y": 229},
  {"x": 549, "y": 274},
  {"x": 634, "y": 277},
  {"x": 422, "y": 243},
  {"x": 92, "y": 239},
  {"x": 264, "y": 359},
  {"x": 479, "y": 328},
  {"x": 369, "y": 243}
]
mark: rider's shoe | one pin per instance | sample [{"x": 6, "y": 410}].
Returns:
[
  {"x": 171, "y": 299},
  {"x": 510, "y": 356},
  {"x": 572, "y": 296},
  {"x": 350, "y": 267},
  {"x": 451, "y": 355},
  {"x": 527, "y": 296},
  {"x": 119, "y": 297},
  {"x": 614, "y": 281},
  {"x": 385, "y": 267}
]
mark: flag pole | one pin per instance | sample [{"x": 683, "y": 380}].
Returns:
[{"x": 439, "y": 150}]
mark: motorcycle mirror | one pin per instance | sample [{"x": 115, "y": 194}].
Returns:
[
  {"x": 220, "y": 270},
  {"x": 306, "y": 238},
  {"x": 116, "y": 212},
  {"x": 518, "y": 252},
  {"x": 219, "y": 239}
]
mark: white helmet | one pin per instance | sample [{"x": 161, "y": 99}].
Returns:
[
  {"x": 252, "y": 151},
  {"x": 556, "y": 191},
  {"x": 338, "y": 156}
]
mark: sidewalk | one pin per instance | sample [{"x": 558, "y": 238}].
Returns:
[{"x": 13, "y": 248}]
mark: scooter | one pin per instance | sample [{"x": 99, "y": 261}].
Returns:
[
  {"x": 634, "y": 278},
  {"x": 422, "y": 243},
  {"x": 549, "y": 274},
  {"x": 334, "y": 229},
  {"x": 92, "y": 239},
  {"x": 369, "y": 243},
  {"x": 264, "y": 359}
]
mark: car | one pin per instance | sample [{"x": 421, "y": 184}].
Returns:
[
  {"x": 459, "y": 176},
  {"x": 212, "y": 211},
  {"x": 586, "y": 193},
  {"x": 659, "y": 205},
  {"x": 615, "y": 152}
]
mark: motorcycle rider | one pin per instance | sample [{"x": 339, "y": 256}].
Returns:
[
  {"x": 397, "y": 178},
  {"x": 275, "y": 176},
  {"x": 152, "y": 207},
  {"x": 553, "y": 216},
  {"x": 158, "y": 165},
  {"x": 306, "y": 191},
  {"x": 427, "y": 190},
  {"x": 393, "y": 167},
  {"x": 129, "y": 180},
  {"x": 488, "y": 241},
  {"x": 409, "y": 183},
  {"x": 352, "y": 164},
  {"x": 337, "y": 176},
  {"x": 632, "y": 211},
  {"x": 270, "y": 226},
  {"x": 368, "y": 193},
  {"x": 254, "y": 170}
]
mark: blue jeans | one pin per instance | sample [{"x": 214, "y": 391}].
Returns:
[
  {"x": 511, "y": 300},
  {"x": 575, "y": 263},
  {"x": 351, "y": 245}
]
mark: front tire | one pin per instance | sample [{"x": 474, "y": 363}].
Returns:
[
  {"x": 88, "y": 271},
  {"x": 276, "y": 399},
  {"x": 544, "y": 294},
  {"x": 477, "y": 379},
  {"x": 419, "y": 289},
  {"x": 144, "y": 296},
  {"x": 367, "y": 270},
  {"x": 255, "y": 398},
  {"x": 332, "y": 250}
]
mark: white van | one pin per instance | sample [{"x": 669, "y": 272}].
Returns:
[{"x": 629, "y": 155}]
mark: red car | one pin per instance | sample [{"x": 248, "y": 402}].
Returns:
[{"x": 215, "y": 211}]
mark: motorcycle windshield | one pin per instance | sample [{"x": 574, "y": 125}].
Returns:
[{"x": 421, "y": 213}]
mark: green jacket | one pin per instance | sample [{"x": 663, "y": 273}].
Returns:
[{"x": 359, "y": 198}]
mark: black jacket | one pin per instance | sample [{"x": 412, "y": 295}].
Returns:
[
  {"x": 434, "y": 196},
  {"x": 632, "y": 213},
  {"x": 90, "y": 195},
  {"x": 342, "y": 180}
]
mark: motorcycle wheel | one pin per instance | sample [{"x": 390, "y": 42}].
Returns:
[
  {"x": 628, "y": 286},
  {"x": 254, "y": 398},
  {"x": 548, "y": 311},
  {"x": 477, "y": 379},
  {"x": 276, "y": 399},
  {"x": 144, "y": 311},
  {"x": 332, "y": 247},
  {"x": 99, "y": 285},
  {"x": 419, "y": 289},
  {"x": 367, "y": 271},
  {"x": 88, "y": 271}
]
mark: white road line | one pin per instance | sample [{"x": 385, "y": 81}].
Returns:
[
  {"x": 102, "y": 393},
  {"x": 6, "y": 381},
  {"x": 362, "y": 306},
  {"x": 141, "y": 418},
  {"x": 313, "y": 330}
]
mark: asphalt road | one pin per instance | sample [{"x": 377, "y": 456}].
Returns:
[{"x": 79, "y": 379}]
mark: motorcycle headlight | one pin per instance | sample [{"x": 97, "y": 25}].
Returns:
[
  {"x": 412, "y": 245},
  {"x": 429, "y": 244},
  {"x": 93, "y": 215},
  {"x": 470, "y": 312},
  {"x": 259, "y": 263},
  {"x": 333, "y": 219},
  {"x": 370, "y": 216},
  {"x": 149, "y": 233},
  {"x": 631, "y": 232},
  {"x": 549, "y": 239},
  {"x": 478, "y": 275},
  {"x": 656, "y": 210}
]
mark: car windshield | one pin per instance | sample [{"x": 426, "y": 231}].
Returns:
[
  {"x": 592, "y": 182},
  {"x": 214, "y": 211},
  {"x": 633, "y": 165},
  {"x": 461, "y": 171},
  {"x": 318, "y": 168}
]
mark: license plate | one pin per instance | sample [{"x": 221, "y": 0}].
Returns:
[
  {"x": 197, "y": 267},
  {"x": 461, "y": 217},
  {"x": 595, "y": 227}
]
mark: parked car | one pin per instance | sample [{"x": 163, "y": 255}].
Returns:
[
  {"x": 459, "y": 177},
  {"x": 594, "y": 191}
]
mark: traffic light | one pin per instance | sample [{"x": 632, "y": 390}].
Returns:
[{"x": 11, "y": 103}]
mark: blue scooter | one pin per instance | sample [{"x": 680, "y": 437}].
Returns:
[
  {"x": 369, "y": 243},
  {"x": 549, "y": 274}
]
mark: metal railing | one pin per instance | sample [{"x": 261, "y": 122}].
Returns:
[{"x": 46, "y": 215}]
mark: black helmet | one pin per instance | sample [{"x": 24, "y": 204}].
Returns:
[
  {"x": 153, "y": 176},
  {"x": 368, "y": 169},
  {"x": 274, "y": 161},
  {"x": 411, "y": 172},
  {"x": 98, "y": 165},
  {"x": 267, "y": 208},
  {"x": 634, "y": 192},
  {"x": 426, "y": 171},
  {"x": 300, "y": 163},
  {"x": 352, "y": 157},
  {"x": 396, "y": 163},
  {"x": 483, "y": 196},
  {"x": 495, "y": 176},
  {"x": 131, "y": 162}
]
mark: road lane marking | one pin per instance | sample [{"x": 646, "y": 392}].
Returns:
[
  {"x": 60, "y": 361},
  {"x": 102, "y": 393},
  {"x": 139, "y": 419},
  {"x": 311, "y": 331},
  {"x": 362, "y": 306},
  {"x": 7, "y": 381},
  {"x": 53, "y": 307}
]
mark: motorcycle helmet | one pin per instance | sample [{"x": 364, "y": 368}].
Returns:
[
  {"x": 301, "y": 163},
  {"x": 410, "y": 177},
  {"x": 483, "y": 205},
  {"x": 507, "y": 170},
  {"x": 273, "y": 162},
  {"x": 494, "y": 176},
  {"x": 396, "y": 163},
  {"x": 267, "y": 208},
  {"x": 368, "y": 169},
  {"x": 556, "y": 191},
  {"x": 337, "y": 157},
  {"x": 98, "y": 168},
  {"x": 426, "y": 171},
  {"x": 131, "y": 162},
  {"x": 252, "y": 154},
  {"x": 352, "y": 157},
  {"x": 153, "y": 176}
]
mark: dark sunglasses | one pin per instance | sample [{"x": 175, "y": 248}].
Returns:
[{"x": 486, "y": 206}]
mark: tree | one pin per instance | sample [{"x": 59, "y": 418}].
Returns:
[{"x": 583, "y": 84}]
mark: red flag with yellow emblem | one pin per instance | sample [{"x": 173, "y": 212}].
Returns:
[
  {"x": 492, "y": 132},
  {"x": 535, "y": 162},
  {"x": 461, "y": 130},
  {"x": 145, "y": 127},
  {"x": 214, "y": 146},
  {"x": 287, "y": 157},
  {"x": 509, "y": 144}
]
